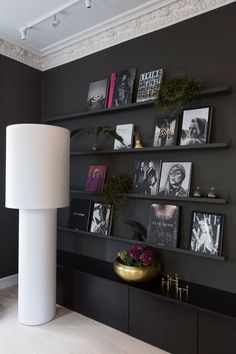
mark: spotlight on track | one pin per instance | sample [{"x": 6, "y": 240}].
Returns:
[{"x": 88, "y": 3}]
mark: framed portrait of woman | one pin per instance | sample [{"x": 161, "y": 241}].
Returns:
[
  {"x": 175, "y": 179},
  {"x": 206, "y": 233},
  {"x": 196, "y": 126}
]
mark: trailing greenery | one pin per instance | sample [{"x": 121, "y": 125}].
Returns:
[
  {"x": 115, "y": 190},
  {"x": 101, "y": 130},
  {"x": 175, "y": 94}
]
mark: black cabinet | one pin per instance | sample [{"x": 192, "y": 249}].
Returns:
[
  {"x": 202, "y": 323},
  {"x": 165, "y": 324},
  {"x": 216, "y": 334},
  {"x": 97, "y": 298},
  {"x": 68, "y": 288}
]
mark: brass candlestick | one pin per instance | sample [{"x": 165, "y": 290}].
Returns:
[
  {"x": 173, "y": 283},
  {"x": 137, "y": 141}
]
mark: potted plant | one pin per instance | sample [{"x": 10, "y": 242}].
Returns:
[
  {"x": 115, "y": 190},
  {"x": 175, "y": 94},
  {"x": 137, "y": 264},
  {"x": 99, "y": 131}
]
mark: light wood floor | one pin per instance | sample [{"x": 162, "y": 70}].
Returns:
[{"x": 68, "y": 333}]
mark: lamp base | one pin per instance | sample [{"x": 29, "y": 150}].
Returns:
[{"x": 37, "y": 266}]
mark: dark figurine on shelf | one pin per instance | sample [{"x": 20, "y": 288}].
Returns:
[
  {"x": 197, "y": 193},
  {"x": 139, "y": 232},
  {"x": 212, "y": 194}
]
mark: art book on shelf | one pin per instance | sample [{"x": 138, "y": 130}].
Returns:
[
  {"x": 97, "y": 95},
  {"x": 79, "y": 214},
  {"x": 166, "y": 132},
  {"x": 95, "y": 179},
  {"x": 163, "y": 225},
  {"x": 101, "y": 218},
  {"x": 121, "y": 87},
  {"x": 126, "y": 132},
  {"x": 149, "y": 85}
]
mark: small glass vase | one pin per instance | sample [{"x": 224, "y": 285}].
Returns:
[
  {"x": 197, "y": 193},
  {"x": 212, "y": 193}
]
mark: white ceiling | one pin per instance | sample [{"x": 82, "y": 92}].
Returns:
[
  {"x": 85, "y": 31},
  {"x": 76, "y": 22}
]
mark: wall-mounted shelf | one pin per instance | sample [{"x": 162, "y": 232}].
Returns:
[
  {"x": 223, "y": 145},
  {"x": 216, "y": 91},
  {"x": 163, "y": 198},
  {"x": 131, "y": 241}
]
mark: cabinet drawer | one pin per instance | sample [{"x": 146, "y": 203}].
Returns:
[
  {"x": 170, "y": 326},
  {"x": 98, "y": 298},
  {"x": 216, "y": 334},
  {"x": 104, "y": 301},
  {"x": 67, "y": 288}
]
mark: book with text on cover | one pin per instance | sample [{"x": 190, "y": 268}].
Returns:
[
  {"x": 79, "y": 214},
  {"x": 121, "y": 88},
  {"x": 166, "y": 131},
  {"x": 126, "y": 132},
  {"x": 149, "y": 85},
  {"x": 163, "y": 225}
]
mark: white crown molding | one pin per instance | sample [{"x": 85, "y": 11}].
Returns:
[
  {"x": 23, "y": 55},
  {"x": 133, "y": 24},
  {"x": 125, "y": 17},
  {"x": 152, "y": 21},
  {"x": 8, "y": 281}
]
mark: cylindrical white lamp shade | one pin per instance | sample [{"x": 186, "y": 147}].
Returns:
[{"x": 37, "y": 166}]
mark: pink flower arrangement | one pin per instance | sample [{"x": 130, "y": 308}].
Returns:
[{"x": 139, "y": 255}]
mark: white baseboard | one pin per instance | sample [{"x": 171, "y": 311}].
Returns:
[{"x": 8, "y": 281}]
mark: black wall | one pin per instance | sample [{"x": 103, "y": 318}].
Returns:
[
  {"x": 20, "y": 102},
  {"x": 203, "y": 47}
]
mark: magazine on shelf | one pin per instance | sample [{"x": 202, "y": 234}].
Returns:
[
  {"x": 79, "y": 214},
  {"x": 97, "y": 95},
  {"x": 101, "y": 218},
  {"x": 163, "y": 225},
  {"x": 126, "y": 132},
  {"x": 149, "y": 85},
  {"x": 95, "y": 179},
  {"x": 121, "y": 87}
]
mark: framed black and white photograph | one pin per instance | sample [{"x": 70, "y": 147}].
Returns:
[
  {"x": 163, "y": 225},
  {"x": 196, "y": 126},
  {"x": 175, "y": 179},
  {"x": 166, "y": 132},
  {"x": 101, "y": 218},
  {"x": 97, "y": 95},
  {"x": 206, "y": 233},
  {"x": 146, "y": 177}
]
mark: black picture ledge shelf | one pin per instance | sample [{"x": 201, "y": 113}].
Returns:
[
  {"x": 222, "y": 145},
  {"x": 131, "y": 241},
  {"x": 216, "y": 91},
  {"x": 159, "y": 197}
]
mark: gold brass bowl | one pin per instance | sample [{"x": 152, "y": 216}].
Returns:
[{"x": 136, "y": 274}]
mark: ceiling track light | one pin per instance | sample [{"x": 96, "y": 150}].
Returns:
[
  {"x": 88, "y": 3},
  {"x": 23, "y": 32},
  {"x": 53, "y": 14},
  {"x": 56, "y": 22}
]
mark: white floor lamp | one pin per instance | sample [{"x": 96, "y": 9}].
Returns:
[{"x": 37, "y": 182}]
